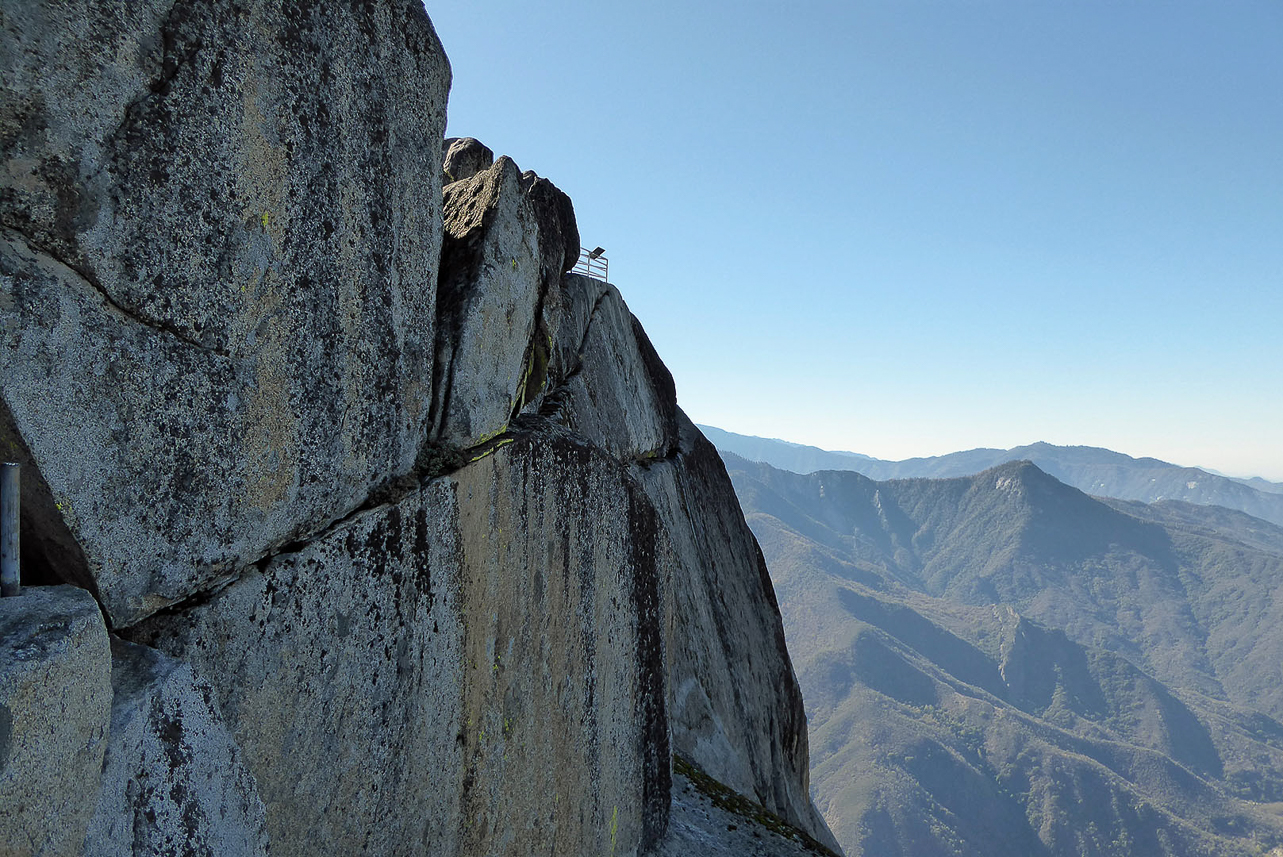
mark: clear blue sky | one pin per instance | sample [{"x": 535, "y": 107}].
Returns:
[{"x": 906, "y": 227}]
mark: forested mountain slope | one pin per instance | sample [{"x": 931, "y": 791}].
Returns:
[{"x": 1000, "y": 663}]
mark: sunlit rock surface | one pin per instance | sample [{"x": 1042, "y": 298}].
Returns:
[
  {"x": 464, "y": 157},
  {"x": 220, "y": 232},
  {"x": 486, "y": 650},
  {"x": 172, "y": 780},
  {"x": 736, "y": 709},
  {"x": 404, "y": 543}
]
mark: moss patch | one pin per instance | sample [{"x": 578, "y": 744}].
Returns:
[
  {"x": 436, "y": 459},
  {"x": 726, "y": 798}
]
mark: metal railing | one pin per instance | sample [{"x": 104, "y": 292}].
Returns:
[{"x": 591, "y": 264}]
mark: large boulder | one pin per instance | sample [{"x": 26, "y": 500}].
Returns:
[
  {"x": 464, "y": 157},
  {"x": 508, "y": 236},
  {"x": 558, "y": 227},
  {"x": 220, "y": 236},
  {"x": 475, "y": 669},
  {"x": 172, "y": 779},
  {"x": 55, "y": 705},
  {"x": 604, "y": 380},
  {"x": 489, "y": 294}
]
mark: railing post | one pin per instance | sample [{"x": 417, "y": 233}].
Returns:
[{"x": 10, "y": 573}]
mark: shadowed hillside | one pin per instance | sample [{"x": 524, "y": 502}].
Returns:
[
  {"x": 1002, "y": 664},
  {"x": 1099, "y": 472}
]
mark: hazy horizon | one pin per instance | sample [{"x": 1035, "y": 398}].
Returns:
[
  {"x": 908, "y": 228},
  {"x": 842, "y": 451}
]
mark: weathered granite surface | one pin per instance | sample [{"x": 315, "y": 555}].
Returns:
[
  {"x": 558, "y": 227},
  {"x": 490, "y": 290},
  {"x": 508, "y": 238},
  {"x": 221, "y": 229},
  {"x": 605, "y": 381},
  {"x": 402, "y": 524},
  {"x": 172, "y": 779},
  {"x": 709, "y": 822},
  {"x": 476, "y": 669},
  {"x": 464, "y": 157},
  {"x": 735, "y": 706},
  {"x": 55, "y": 705}
]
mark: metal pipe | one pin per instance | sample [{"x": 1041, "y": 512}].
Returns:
[{"x": 10, "y": 573}]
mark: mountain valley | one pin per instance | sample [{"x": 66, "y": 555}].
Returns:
[{"x": 1000, "y": 663}]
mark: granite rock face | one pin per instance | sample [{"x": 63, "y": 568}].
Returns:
[
  {"x": 735, "y": 705},
  {"x": 508, "y": 236},
  {"x": 558, "y": 228},
  {"x": 605, "y": 381},
  {"x": 708, "y": 821},
  {"x": 172, "y": 779},
  {"x": 476, "y": 669},
  {"x": 490, "y": 290},
  {"x": 221, "y": 229},
  {"x": 405, "y": 544},
  {"x": 464, "y": 158},
  {"x": 55, "y": 704}
]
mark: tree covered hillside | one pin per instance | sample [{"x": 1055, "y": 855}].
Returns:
[{"x": 1000, "y": 663}]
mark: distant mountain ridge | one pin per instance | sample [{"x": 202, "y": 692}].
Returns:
[
  {"x": 1099, "y": 472},
  {"x": 1252, "y": 482},
  {"x": 1000, "y": 663}
]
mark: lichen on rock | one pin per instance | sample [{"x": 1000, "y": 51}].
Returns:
[
  {"x": 486, "y": 651},
  {"x": 172, "y": 780},
  {"x": 401, "y": 541},
  {"x": 221, "y": 228},
  {"x": 55, "y": 706}
]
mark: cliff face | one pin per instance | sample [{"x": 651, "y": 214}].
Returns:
[
  {"x": 222, "y": 223},
  {"x": 385, "y": 534}
]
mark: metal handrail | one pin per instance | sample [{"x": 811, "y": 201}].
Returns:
[{"x": 592, "y": 264}]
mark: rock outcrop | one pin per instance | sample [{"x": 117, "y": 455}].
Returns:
[
  {"x": 464, "y": 158},
  {"x": 489, "y": 294},
  {"x": 604, "y": 380},
  {"x": 172, "y": 781},
  {"x": 736, "y": 707},
  {"x": 221, "y": 229},
  {"x": 55, "y": 702},
  {"x": 486, "y": 650},
  {"x": 509, "y": 236},
  {"x": 402, "y": 542}
]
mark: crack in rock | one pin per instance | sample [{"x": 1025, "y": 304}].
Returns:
[{"x": 37, "y": 248}]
